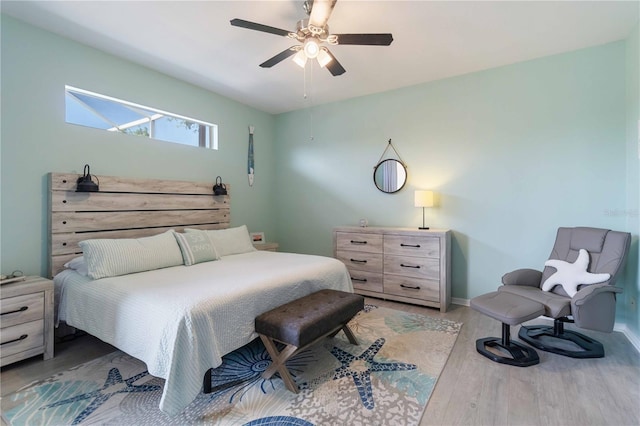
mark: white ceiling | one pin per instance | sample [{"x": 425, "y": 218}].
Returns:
[{"x": 193, "y": 40}]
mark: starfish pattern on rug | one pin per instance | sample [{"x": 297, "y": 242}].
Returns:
[
  {"x": 360, "y": 368},
  {"x": 114, "y": 378}
]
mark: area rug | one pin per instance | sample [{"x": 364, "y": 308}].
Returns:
[{"x": 385, "y": 380}]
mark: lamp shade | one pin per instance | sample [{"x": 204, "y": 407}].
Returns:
[{"x": 423, "y": 198}]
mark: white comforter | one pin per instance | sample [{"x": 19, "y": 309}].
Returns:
[{"x": 180, "y": 321}]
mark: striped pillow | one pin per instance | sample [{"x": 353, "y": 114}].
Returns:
[
  {"x": 228, "y": 241},
  {"x": 113, "y": 257},
  {"x": 196, "y": 247}
]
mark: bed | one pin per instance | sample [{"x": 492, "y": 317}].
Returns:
[{"x": 180, "y": 320}]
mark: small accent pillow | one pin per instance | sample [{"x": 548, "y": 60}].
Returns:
[
  {"x": 571, "y": 275},
  {"x": 196, "y": 247},
  {"x": 114, "y": 257},
  {"x": 229, "y": 241},
  {"x": 79, "y": 265}
]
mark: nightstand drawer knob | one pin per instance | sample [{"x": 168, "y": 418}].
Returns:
[
  {"x": 24, "y": 336},
  {"x": 410, "y": 245},
  {"x": 358, "y": 242},
  {"x": 358, "y": 261},
  {"x": 24, "y": 308}
]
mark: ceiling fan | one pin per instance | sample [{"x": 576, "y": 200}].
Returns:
[{"x": 313, "y": 33}]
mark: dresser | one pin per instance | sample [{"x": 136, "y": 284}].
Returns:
[
  {"x": 401, "y": 264},
  {"x": 26, "y": 309}
]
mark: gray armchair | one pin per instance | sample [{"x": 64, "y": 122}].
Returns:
[{"x": 592, "y": 307}]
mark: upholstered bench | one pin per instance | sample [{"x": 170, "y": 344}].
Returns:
[
  {"x": 510, "y": 309},
  {"x": 302, "y": 323}
]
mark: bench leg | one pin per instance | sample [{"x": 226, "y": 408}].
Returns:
[
  {"x": 350, "y": 335},
  {"x": 278, "y": 360}
]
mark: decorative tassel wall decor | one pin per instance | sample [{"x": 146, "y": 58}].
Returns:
[{"x": 250, "y": 160}]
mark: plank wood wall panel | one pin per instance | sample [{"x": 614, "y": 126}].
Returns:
[{"x": 127, "y": 208}]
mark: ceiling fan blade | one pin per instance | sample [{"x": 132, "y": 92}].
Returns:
[
  {"x": 334, "y": 66},
  {"x": 279, "y": 57},
  {"x": 320, "y": 12},
  {"x": 365, "y": 39},
  {"x": 258, "y": 27}
]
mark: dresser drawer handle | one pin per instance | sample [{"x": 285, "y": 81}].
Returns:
[
  {"x": 358, "y": 242},
  {"x": 358, "y": 261},
  {"x": 24, "y": 336},
  {"x": 410, "y": 245},
  {"x": 362, "y": 280},
  {"x": 24, "y": 308},
  {"x": 410, "y": 266},
  {"x": 411, "y": 287}
]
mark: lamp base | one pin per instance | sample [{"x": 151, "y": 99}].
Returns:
[{"x": 423, "y": 227}]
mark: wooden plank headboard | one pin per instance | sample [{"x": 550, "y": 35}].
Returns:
[{"x": 127, "y": 208}]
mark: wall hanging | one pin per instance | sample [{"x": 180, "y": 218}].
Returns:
[{"x": 250, "y": 160}]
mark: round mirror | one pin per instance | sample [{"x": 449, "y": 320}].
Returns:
[{"x": 390, "y": 176}]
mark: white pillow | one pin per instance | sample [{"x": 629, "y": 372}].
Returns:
[
  {"x": 113, "y": 257},
  {"x": 196, "y": 247},
  {"x": 571, "y": 275},
  {"x": 229, "y": 241},
  {"x": 79, "y": 265}
]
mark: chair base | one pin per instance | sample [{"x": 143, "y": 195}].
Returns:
[
  {"x": 521, "y": 356},
  {"x": 590, "y": 348}
]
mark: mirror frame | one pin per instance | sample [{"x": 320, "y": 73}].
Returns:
[{"x": 380, "y": 164}]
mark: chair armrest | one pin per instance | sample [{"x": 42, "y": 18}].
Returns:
[
  {"x": 588, "y": 292},
  {"x": 594, "y": 307},
  {"x": 527, "y": 277}
]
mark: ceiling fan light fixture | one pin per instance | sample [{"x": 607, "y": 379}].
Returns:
[
  {"x": 323, "y": 57},
  {"x": 300, "y": 58},
  {"x": 311, "y": 48}
]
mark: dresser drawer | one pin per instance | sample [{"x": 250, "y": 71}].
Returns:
[
  {"x": 415, "y": 267},
  {"x": 406, "y": 245},
  {"x": 20, "y": 309},
  {"x": 369, "y": 243},
  {"x": 360, "y": 261},
  {"x": 412, "y": 287},
  {"x": 363, "y": 280},
  {"x": 13, "y": 340}
]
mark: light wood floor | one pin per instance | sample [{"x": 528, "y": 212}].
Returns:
[{"x": 471, "y": 390}]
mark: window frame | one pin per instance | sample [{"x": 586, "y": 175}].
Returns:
[{"x": 158, "y": 113}]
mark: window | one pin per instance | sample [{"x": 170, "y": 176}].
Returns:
[{"x": 114, "y": 115}]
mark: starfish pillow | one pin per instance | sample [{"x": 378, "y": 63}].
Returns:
[{"x": 571, "y": 275}]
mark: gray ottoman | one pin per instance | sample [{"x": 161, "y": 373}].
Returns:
[
  {"x": 509, "y": 309},
  {"x": 302, "y": 323}
]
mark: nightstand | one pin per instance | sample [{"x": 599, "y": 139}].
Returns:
[
  {"x": 26, "y": 309},
  {"x": 267, "y": 246}
]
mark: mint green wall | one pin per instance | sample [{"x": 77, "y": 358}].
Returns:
[
  {"x": 514, "y": 153},
  {"x": 630, "y": 311},
  {"x": 36, "y": 65}
]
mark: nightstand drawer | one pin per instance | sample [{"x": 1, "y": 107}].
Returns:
[
  {"x": 20, "y": 309},
  {"x": 366, "y": 280},
  {"x": 369, "y": 243},
  {"x": 412, "y": 287},
  {"x": 406, "y": 245},
  {"x": 369, "y": 262},
  {"x": 21, "y": 338}
]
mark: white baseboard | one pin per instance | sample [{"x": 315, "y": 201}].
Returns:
[
  {"x": 633, "y": 338},
  {"x": 630, "y": 335},
  {"x": 459, "y": 301}
]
